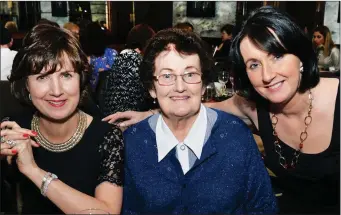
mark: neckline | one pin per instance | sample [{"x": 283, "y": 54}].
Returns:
[{"x": 337, "y": 100}]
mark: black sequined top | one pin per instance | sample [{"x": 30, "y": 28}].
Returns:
[{"x": 124, "y": 89}]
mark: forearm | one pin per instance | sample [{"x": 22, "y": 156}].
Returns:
[
  {"x": 230, "y": 106},
  {"x": 66, "y": 198}
]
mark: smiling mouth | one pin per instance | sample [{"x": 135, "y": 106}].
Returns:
[
  {"x": 179, "y": 98},
  {"x": 58, "y": 103},
  {"x": 275, "y": 86}
]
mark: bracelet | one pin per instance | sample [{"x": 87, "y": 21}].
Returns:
[{"x": 48, "y": 177}]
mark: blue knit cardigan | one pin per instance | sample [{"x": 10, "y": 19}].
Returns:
[{"x": 229, "y": 178}]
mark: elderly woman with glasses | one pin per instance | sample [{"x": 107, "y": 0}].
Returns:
[{"x": 190, "y": 159}]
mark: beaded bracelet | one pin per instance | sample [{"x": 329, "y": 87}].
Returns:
[{"x": 48, "y": 177}]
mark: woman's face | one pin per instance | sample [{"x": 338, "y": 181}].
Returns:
[
  {"x": 276, "y": 78},
  {"x": 318, "y": 38},
  {"x": 75, "y": 31},
  {"x": 55, "y": 95},
  {"x": 179, "y": 99},
  {"x": 225, "y": 36}
]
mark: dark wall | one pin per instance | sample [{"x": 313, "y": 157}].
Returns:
[
  {"x": 158, "y": 15},
  {"x": 29, "y": 14}
]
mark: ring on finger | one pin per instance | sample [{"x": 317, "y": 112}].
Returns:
[
  {"x": 2, "y": 139},
  {"x": 11, "y": 143}
]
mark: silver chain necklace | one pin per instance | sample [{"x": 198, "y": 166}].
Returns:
[{"x": 304, "y": 135}]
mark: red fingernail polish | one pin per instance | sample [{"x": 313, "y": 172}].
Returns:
[
  {"x": 25, "y": 135},
  {"x": 14, "y": 151},
  {"x": 34, "y": 133}
]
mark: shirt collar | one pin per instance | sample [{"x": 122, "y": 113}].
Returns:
[{"x": 166, "y": 141}]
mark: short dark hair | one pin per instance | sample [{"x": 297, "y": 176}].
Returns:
[
  {"x": 185, "y": 43},
  {"x": 93, "y": 39},
  {"x": 292, "y": 40},
  {"x": 138, "y": 36},
  {"x": 228, "y": 28},
  {"x": 45, "y": 45}
]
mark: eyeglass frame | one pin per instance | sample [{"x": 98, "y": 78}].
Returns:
[{"x": 156, "y": 78}]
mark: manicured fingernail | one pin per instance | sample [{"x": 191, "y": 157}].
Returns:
[
  {"x": 14, "y": 151},
  {"x": 34, "y": 133},
  {"x": 25, "y": 135}
]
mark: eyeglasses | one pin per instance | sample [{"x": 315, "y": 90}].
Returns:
[{"x": 169, "y": 79}]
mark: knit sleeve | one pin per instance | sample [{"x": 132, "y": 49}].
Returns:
[
  {"x": 112, "y": 157},
  {"x": 259, "y": 198}
]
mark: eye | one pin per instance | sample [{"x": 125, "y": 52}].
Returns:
[
  {"x": 167, "y": 76},
  {"x": 190, "y": 74},
  {"x": 253, "y": 65},
  {"x": 66, "y": 75},
  {"x": 41, "y": 77}
]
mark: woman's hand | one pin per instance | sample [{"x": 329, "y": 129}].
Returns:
[
  {"x": 128, "y": 117},
  {"x": 17, "y": 141}
]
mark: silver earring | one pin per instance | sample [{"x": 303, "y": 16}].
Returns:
[
  {"x": 29, "y": 97},
  {"x": 154, "y": 102},
  {"x": 301, "y": 67}
]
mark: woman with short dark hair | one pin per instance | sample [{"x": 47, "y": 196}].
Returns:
[
  {"x": 66, "y": 160},
  {"x": 190, "y": 159}
]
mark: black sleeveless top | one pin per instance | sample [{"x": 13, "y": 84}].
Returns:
[
  {"x": 98, "y": 157},
  {"x": 314, "y": 185}
]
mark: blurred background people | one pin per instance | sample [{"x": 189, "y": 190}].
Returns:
[
  {"x": 124, "y": 87},
  {"x": 16, "y": 35},
  {"x": 11, "y": 26},
  {"x": 223, "y": 49},
  {"x": 327, "y": 53},
  {"x": 72, "y": 27},
  {"x": 95, "y": 45},
  {"x": 7, "y": 55},
  {"x": 184, "y": 26}
]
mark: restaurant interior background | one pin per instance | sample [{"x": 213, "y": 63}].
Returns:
[{"x": 121, "y": 16}]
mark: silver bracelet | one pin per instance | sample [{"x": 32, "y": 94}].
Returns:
[{"x": 46, "y": 182}]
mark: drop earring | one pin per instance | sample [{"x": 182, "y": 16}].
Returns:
[
  {"x": 301, "y": 67},
  {"x": 154, "y": 101},
  {"x": 29, "y": 97}
]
